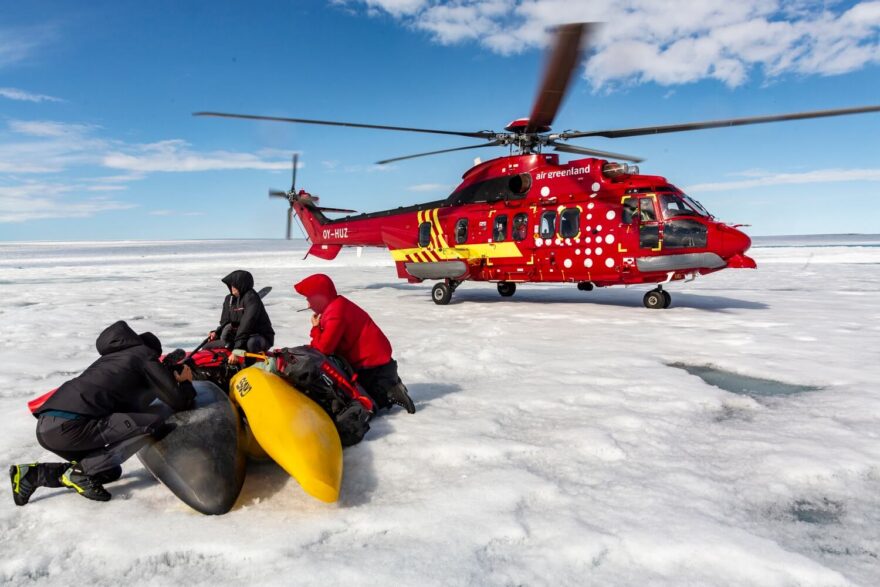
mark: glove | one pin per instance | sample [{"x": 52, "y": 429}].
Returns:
[
  {"x": 399, "y": 395},
  {"x": 270, "y": 365}
]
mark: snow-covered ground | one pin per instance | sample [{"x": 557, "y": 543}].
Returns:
[{"x": 554, "y": 443}]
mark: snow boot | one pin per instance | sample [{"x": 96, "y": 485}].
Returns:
[
  {"x": 399, "y": 395},
  {"x": 86, "y": 485},
  {"x": 27, "y": 478}
]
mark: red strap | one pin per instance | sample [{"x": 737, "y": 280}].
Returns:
[{"x": 342, "y": 382}]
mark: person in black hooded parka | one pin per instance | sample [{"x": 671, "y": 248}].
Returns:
[
  {"x": 244, "y": 323},
  {"x": 103, "y": 417}
]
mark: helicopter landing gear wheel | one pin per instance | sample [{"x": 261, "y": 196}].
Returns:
[
  {"x": 585, "y": 286},
  {"x": 656, "y": 299},
  {"x": 441, "y": 294},
  {"x": 506, "y": 289},
  {"x": 667, "y": 298}
]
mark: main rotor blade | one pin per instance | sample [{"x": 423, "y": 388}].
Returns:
[
  {"x": 593, "y": 152},
  {"x": 483, "y": 134},
  {"x": 651, "y": 130},
  {"x": 558, "y": 71},
  {"x": 489, "y": 144}
]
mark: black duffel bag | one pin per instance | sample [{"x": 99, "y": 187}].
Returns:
[{"x": 330, "y": 382}]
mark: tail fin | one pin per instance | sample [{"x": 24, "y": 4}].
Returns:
[{"x": 310, "y": 215}]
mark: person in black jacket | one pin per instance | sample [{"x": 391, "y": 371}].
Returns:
[
  {"x": 102, "y": 417},
  {"x": 244, "y": 323}
]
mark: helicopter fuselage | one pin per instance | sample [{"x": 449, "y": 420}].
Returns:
[{"x": 530, "y": 218}]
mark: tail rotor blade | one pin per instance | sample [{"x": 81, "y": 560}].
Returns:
[
  {"x": 293, "y": 181},
  {"x": 289, "y": 221}
]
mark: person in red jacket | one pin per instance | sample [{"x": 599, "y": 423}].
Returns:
[{"x": 342, "y": 328}]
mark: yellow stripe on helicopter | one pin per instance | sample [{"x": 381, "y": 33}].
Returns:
[{"x": 444, "y": 252}]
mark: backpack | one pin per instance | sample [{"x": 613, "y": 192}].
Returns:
[{"x": 331, "y": 383}]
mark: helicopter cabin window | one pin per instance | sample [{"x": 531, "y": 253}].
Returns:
[
  {"x": 682, "y": 233},
  {"x": 520, "y": 226},
  {"x": 568, "y": 223},
  {"x": 499, "y": 232},
  {"x": 424, "y": 234},
  {"x": 646, "y": 210},
  {"x": 548, "y": 224},
  {"x": 629, "y": 210},
  {"x": 461, "y": 231}
]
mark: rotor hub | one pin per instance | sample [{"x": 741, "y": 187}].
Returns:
[{"x": 519, "y": 126}]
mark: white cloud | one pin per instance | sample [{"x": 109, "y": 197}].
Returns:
[
  {"x": 763, "y": 179},
  {"x": 668, "y": 42},
  {"x": 24, "y": 96},
  {"x": 50, "y": 128},
  {"x": 36, "y": 201},
  {"x": 39, "y": 150},
  {"x": 17, "y": 45},
  {"x": 176, "y": 156},
  {"x": 174, "y": 213}
]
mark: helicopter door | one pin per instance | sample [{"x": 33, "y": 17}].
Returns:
[{"x": 649, "y": 226}]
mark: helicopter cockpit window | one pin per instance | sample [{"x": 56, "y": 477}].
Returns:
[
  {"x": 680, "y": 205},
  {"x": 698, "y": 207},
  {"x": 629, "y": 210},
  {"x": 683, "y": 233},
  {"x": 424, "y": 234},
  {"x": 673, "y": 207},
  {"x": 646, "y": 210},
  {"x": 568, "y": 223},
  {"x": 461, "y": 231},
  {"x": 548, "y": 224},
  {"x": 520, "y": 227},
  {"x": 499, "y": 232}
]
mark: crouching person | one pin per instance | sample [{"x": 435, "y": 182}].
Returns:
[
  {"x": 101, "y": 418},
  {"x": 244, "y": 322},
  {"x": 341, "y": 328}
]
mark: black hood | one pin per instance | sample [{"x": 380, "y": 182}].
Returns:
[
  {"x": 241, "y": 279},
  {"x": 116, "y": 337},
  {"x": 152, "y": 341}
]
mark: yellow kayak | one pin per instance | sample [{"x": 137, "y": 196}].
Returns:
[{"x": 292, "y": 429}]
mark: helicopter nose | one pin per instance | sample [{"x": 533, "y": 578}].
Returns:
[{"x": 734, "y": 245}]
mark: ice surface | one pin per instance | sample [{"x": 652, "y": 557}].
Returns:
[
  {"x": 756, "y": 387},
  {"x": 553, "y": 443}
]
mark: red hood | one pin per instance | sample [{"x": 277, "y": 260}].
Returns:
[{"x": 318, "y": 289}]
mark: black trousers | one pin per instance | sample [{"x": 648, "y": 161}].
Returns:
[
  {"x": 378, "y": 381},
  {"x": 98, "y": 444},
  {"x": 256, "y": 343}
]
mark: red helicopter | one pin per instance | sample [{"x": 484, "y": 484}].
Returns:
[{"x": 528, "y": 217}]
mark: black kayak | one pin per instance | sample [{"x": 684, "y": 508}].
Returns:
[{"x": 202, "y": 459}]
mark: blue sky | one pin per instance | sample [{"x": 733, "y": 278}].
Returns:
[{"x": 97, "y": 140}]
